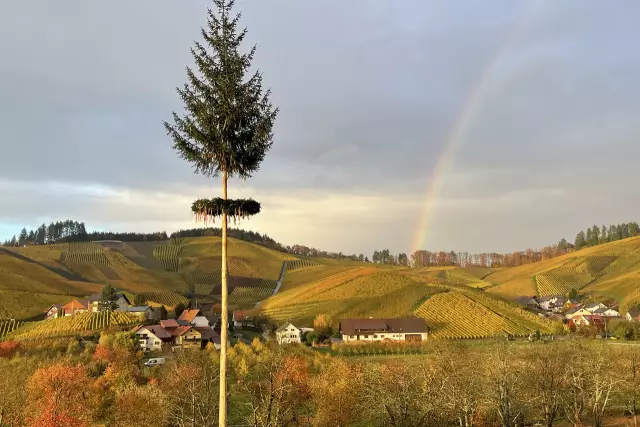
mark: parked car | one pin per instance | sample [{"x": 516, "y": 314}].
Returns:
[{"x": 156, "y": 361}]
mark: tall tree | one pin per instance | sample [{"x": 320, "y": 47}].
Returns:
[
  {"x": 581, "y": 240},
  {"x": 227, "y": 130},
  {"x": 23, "y": 236},
  {"x": 108, "y": 299},
  {"x": 604, "y": 237}
]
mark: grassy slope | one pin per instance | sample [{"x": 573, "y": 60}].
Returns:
[{"x": 618, "y": 280}]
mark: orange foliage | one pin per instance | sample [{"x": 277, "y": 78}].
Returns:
[
  {"x": 9, "y": 348},
  {"x": 57, "y": 396}
]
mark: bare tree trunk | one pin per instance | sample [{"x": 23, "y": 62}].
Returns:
[{"x": 222, "y": 419}]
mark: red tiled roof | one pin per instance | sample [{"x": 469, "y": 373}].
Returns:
[
  {"x": 76, "y": 304},
  {"x": 239, "y": 316},
  {"x": 169, "y": 323},
  {"x": 189, "y": 315}
]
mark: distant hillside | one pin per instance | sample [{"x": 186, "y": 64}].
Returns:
[
  {"x": 610, "y": 270},
  {"x": 33, "y": 278}
]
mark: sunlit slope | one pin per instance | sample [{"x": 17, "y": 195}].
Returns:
[
  {"x": 610, "y": 270},
  {"x": 165, "y": 272}
]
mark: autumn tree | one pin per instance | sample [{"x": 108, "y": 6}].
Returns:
[
  {"x": 191, "y": 383},
  {"x": 58, "y": 397},
  {"x": 275, "y": 381},
  {"x": 504, "y": 382},
  {"x": 322, "y": 325},
  {"x": 546, "y": 390},
  {"x": 401, "y": 396},
  {"x": 337, "y": 393},
  {"x": 143, "y": 406},
  {"x": 139, "y": 300},
  {"x": 227, "y": 131}
]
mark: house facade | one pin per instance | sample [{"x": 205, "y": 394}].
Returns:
[
  {"x": 394, "y": 329},
  {"x": 143, "y": 312},
  {"x": 94, "y": 302},
  {"x": 54, "y": 312},
  {"x": 151, "y": 338},
  {"x": 76, "y": 306},
  {"x": 288, "y": 334}
]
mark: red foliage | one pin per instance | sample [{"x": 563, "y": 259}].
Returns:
[
  {"x": 9, "y": 348},
  {"x": 57, "y": 396},
  {"x": 53, "y": 417}
]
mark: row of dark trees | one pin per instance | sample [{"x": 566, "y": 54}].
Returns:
[
  {"x": 237, "y": 233},
  {"x": 74, "y": 231},
  {"x": 596, "y": 236}
]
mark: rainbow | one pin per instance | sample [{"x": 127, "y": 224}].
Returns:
[{"x": 459, "y": 131}]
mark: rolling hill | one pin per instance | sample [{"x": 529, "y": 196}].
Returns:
[
  {"x": 470, "y": 302},
  {"x": 610, "y": 271}
]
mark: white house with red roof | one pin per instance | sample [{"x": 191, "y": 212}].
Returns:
[{"x": 194, "y": 317}]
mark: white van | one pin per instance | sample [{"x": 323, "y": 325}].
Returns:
[{"x": 156, "y": 361}]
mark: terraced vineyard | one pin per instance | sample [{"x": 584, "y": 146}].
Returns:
[
  {"x": 243, "y": 297},
  {"x": 454, "y": 315},
  {"x": 84, "y": 257},
  {"x": 595, "y": 265},
  {"x": 87, "y": 270},
  {"x": 73, "y": 325},
  {"x": 169, "y": 255},
  {"x": 561, "y": 280},
  {"x": 298, "y": 264},
  {"x": 8, "y": 326},
  {"x": 40, "y": 253},
  {"x": 120, "y": 264},
  {"x": 168, "y": 299}
]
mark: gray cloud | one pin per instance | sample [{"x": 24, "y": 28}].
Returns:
[{"x": 369, "y": 95}]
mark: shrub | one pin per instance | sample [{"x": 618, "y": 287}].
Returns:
[{"x": 9, "y": 348}]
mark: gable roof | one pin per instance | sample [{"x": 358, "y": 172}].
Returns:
[
  {"x": 239, "y": 316},
  {"x": 181, "y": 330},
  {"x": 285, "y": 326},
  {"x": 189, "y": 315},
  {"x": 76, "y": 304},
  {"x": 634, "y": 312},
  {"x": 207, "y": 333},
  {"x": 169, "y": 323},
  {"x": 56, "y": 306},
  {"x": 156, "y": 330},
  {"x": 98, "y": 297},
  {"x": 398, "y": 325}
]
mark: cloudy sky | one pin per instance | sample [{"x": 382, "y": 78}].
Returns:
[{"x": 471, "y": 125}]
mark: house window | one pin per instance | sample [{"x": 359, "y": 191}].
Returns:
[
  {"x": 366, "y": 336},
  {"x": 375, "y": 336}
]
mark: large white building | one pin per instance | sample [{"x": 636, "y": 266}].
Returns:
[{"x": 394, "y": 329}]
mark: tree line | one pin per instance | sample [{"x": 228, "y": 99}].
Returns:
[
  {"x": 73, "y": 231},
  {"x": 594, "y": 236},
  {"x": 236, "y": 233},
  {"x": 579, "y": 382}
]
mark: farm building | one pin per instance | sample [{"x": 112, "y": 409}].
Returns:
[
  {"x": 290, "y": 334},
  {"x": 53, "y": 312},
  {"x": 94, "y": 302},
  {"x": 394, "y": 329}
]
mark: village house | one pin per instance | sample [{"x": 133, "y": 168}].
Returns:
[
  {"x": 175, "y": 334},
  {"x": 289, "y": 334},
  {"x": 606, "y": 312},
  {"x": 241, "y": 319},
  {"x": 394, "y": 329},
  {"x": 76, "y": 306},
  {"x": 577, "y": 311},
  {"x": 53, "y": 312},
  {"x": 193, "y": 317},
  {"x": 633, "y": 314},
  {"x": 594, "y": 306},
  {"x": 94, "y": 302},
  {"x": 588, "y": 320},
  {"x": 552, "y": 303},
  {"x": 151, "y": 338}
]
